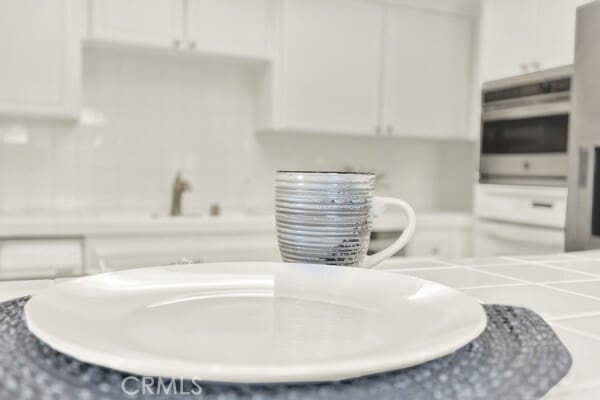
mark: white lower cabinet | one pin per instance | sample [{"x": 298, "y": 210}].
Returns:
[
  {"x": 64, "y": 257},
  {"x": 109, "y": 253},
  {"x": 40, "y": 258},
  {"x": 441, "y": 242},
  {"x": 493, "y": 239}
]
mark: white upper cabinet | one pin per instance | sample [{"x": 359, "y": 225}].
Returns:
[
  {"x": 146, "y": 22},
  {"x": 328, "y": 66},
  {"x": 427, "y": 73},
  {"x": 231, "y": 27},
  {"x": 237, "y": 27},
  {"x": 41, "y": 57},
  {"x": 520, "y": 36},
  {"x": 508, "y": 37},
  {"x": 556, "y": 32},
  {"x": 363, "y": 67}
]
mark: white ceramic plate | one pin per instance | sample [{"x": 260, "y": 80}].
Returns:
[{"x": 254, "y": 322}]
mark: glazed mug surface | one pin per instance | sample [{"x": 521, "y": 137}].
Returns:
[{"x": 327, "y": 217}]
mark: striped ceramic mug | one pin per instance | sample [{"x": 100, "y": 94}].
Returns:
[{"x": 326, "y": 218}]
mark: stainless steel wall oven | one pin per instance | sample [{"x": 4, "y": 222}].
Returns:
[{"x": 524, "y": 132}]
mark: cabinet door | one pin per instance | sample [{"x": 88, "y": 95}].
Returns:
[
  {"x": 556, "y": 32},
  {"x": 237, "y": 27},
  {"x": 41, "y": 57},
  {"x": 40, "y": 258},
  {"x": 149, "y": 22},
  {"x": 432, "y": 244},
  {"x": 501, "y": 239},
  {"x": 508, "y": 37},
  {"x": 110, "y": 253},
  {"x": 330, "y": 66},
  {"x": 427, "y": 74}
]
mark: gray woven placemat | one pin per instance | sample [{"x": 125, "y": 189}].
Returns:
[{"x": 518, "y": 356}]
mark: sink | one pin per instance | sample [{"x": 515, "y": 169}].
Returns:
[{"x": 183, "y": 216}]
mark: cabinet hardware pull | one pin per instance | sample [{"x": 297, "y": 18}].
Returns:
[
  {"x": 524, "y": 67},
  {"x": 176, "y": 43},
  {"x": 582, "y": 167},
  {"x": 389, "y": 130},
  {"x": 539, "y": 204},
  {"x": 192, "y": 45}
]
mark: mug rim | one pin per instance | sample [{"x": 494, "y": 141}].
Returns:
[{"x": 325, "y": 172}]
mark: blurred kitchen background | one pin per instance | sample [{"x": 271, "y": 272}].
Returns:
[{"x": 111, "y": 111}]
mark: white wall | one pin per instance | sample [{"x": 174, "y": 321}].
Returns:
[{"x": 164, "y": 113}]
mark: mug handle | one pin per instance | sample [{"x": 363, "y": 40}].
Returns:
[{"x": 380, "y": 203}]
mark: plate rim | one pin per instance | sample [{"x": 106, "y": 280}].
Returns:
[{"x": 304, "y": 372}]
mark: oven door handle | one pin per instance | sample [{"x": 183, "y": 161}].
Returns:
[{"x": 542, "y": 204}]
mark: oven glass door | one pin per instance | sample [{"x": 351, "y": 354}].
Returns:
[{"x": 547, "y": 134}]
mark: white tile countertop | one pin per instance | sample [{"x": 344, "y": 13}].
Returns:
[
  {"x": 563, "y": 288},
  {"x": 110, "y": 224}
]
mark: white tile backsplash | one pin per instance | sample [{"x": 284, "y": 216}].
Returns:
[{"x": 152, "y": 114}]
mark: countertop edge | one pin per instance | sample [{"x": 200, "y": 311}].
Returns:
[{"x": 47, "y": 227}]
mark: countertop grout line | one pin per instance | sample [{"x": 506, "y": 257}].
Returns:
[
  {"x": 490, "y": 265},
  {"x": 578, "y": 316},
  {"x": 517, "y": 282},
  {"x": 568, "y": 291},
  {"x": 446, "y": 263},
  {"x": 588, "y": 277},
  {"x": 561, "y": 268},
  {"x": 571, "y": 260},
  {"x": 572, "y": 316},
  {"x": 558, "y": 391},
  {"x": 517, "y": 258},
  {"x": 557, "y": 323},
  {"x": 498, "y": 285},
  {"x": 595, "y": 279},
  {"x": 432, "y": 268},
  {"x": 498, "y": 275}
]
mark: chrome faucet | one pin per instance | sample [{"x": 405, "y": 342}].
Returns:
[{"x": 180, "y": 186}]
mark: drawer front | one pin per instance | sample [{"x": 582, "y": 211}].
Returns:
[
  {"x": 525, "y": 205},
  {"x": 115, "y": 253},
  {"x": 434, "y": 244},
  {"x": 500, "y": 239},
  {"x": 40, "y": 258}
]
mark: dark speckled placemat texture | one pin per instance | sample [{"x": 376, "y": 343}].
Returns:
[{"x": 518, "y": 356}]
